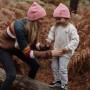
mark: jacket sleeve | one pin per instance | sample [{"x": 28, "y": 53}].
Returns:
[
  {"x": 74, "y": 40},
  {"x": 51, "y": 35},
  {"x": 20, "y": 35},
  {"x": 37, "y": 54},
  {"x": 43, "y": 54}
]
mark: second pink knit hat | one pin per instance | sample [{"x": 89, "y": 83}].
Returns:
[
  {"x": 61, "y": 11},
  {"x": 35, "y": 12}
]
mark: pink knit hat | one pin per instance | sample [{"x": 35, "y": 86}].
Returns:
[
  {"x": 61, "y": 11},
  {"x": 35, "y": 12}
]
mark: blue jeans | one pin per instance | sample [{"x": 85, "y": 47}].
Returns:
[{"x": 6, "y": 61}]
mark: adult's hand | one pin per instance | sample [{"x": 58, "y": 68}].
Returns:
[{"x": 56, "y": 52}]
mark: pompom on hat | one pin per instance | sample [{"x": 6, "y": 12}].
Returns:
[
  {"x": 35, "y": 12},
  {"x": 61, "y": 11}
]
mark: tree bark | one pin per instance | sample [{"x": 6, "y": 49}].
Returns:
[{"x": 25, "y": 83}]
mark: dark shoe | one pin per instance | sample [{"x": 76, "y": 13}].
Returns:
[
  {"x": 64, "y": 88},
  {"x": 54, "y": 84}
]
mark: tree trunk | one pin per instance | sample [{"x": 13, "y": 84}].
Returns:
[{"x": 25, "y": 83}]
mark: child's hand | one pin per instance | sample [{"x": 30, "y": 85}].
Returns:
[
  {"x": 44, "y": 47},
  {"x": 47, "y": 45}
]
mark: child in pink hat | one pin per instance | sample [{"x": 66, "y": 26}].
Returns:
[{"x": 65, "y": 38}]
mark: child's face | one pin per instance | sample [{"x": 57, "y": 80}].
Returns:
[{"x": 61, "y": 21}]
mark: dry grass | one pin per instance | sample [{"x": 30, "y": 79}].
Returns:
[{"x": 79, "y": 66}]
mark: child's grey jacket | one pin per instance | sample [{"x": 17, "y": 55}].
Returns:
[{"x": 64, "y": 37}]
